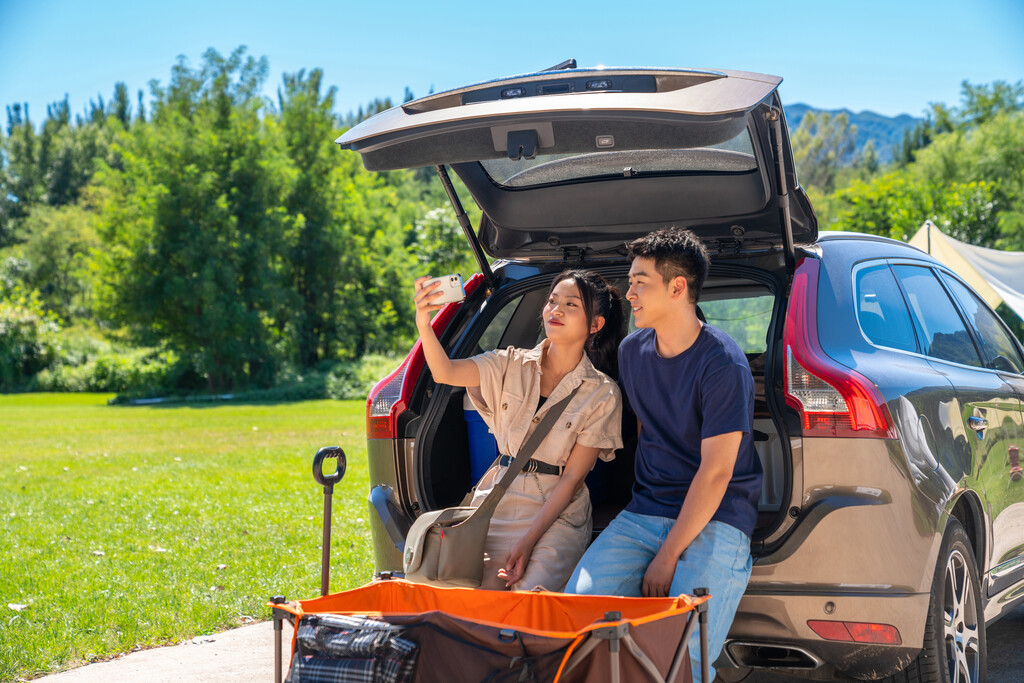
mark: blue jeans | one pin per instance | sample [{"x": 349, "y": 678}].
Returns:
[{"x": 718, "y": 559}]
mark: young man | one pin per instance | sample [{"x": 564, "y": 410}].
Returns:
[{"x": 698, "y": 477}]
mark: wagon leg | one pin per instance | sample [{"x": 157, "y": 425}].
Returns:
[
  {"x": 684, "y": 647},
  {"x": 613, "y": 634},
  {"x": 278, "y": 628},
  {"x": 702, "y": 615},
  {"x": 613, "y": 649}
]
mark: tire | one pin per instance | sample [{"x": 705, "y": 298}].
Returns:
[{"x": 954, "y": 638}]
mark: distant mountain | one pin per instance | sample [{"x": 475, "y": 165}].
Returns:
[{"x": 886, "y": 131}]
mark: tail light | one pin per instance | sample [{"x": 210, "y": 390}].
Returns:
[
  {"x": 832, "y": 399},
  {"x": 856, "y": 632},
  {"x": 390, "y": 396}
]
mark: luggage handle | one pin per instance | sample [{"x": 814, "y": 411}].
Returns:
[{"x": 328, "y": 481}]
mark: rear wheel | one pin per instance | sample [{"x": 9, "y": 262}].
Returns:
[{"x": 954, "y": 638}]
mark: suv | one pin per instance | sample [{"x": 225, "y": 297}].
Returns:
[{"x": 888, "y": 394}]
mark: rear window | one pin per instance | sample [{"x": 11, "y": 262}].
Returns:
[
  {"x": 881, "y": 311},
  {"x": 732, "y": 156}
]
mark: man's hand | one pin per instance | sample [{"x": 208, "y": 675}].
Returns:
[{"x": 659, "y": 575}]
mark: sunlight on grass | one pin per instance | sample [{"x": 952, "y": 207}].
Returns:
[{"x": 136, "y": 526}]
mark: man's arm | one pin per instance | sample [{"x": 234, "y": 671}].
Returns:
[{"x": 717, "y": 462}]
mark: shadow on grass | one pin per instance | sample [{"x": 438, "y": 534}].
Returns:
[{"x": 210, "y": 403}]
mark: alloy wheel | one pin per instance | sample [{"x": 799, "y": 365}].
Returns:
[{"x": 960, "y": 621}]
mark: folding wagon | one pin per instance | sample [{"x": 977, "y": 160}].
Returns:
[{"x": 396, "y": 631}]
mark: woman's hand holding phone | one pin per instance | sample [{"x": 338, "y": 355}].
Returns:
[
  {"x": 429, "y": 297},
  {"x": 432, "y": 293},
  {"x": 426, "y": 290}
]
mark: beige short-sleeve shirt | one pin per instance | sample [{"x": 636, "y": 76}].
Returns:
[{"x": 507, "y": 402}]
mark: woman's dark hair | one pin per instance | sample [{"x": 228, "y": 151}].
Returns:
[{"x": 599, "y": 299}]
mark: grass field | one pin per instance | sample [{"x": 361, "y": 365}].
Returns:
[{"x": 127, "y": 527}]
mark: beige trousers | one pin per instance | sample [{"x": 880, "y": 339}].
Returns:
[{"x": 555, "y": 556}]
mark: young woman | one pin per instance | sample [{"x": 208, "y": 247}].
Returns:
[{"x": 543, "y": 523}]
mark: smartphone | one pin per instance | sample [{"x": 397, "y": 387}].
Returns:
[{"x": 451, "y": 288}]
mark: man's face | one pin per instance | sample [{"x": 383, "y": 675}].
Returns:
[{"x": 650, "y": 297}]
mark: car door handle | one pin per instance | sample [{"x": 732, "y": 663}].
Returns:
[{"x": 978, "y": 424}]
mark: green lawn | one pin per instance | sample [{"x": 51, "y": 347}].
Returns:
[{"x": 125, "y": 527}]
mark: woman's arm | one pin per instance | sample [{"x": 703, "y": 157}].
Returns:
[
  {"x": 457, "y": 373},
  {"x": 581, "y": 461}
]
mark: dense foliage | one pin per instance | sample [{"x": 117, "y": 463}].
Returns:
[
  {"x": 217, "y": 241},
  {"x": 963, "y": 169}
]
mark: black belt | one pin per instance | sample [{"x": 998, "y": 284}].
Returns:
[{"x": 532, "y": 465}]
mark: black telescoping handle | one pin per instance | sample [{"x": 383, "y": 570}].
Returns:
[{"x": 327, "y": 481}]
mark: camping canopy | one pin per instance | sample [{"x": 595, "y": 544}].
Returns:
[{"x": 997, "y": 276}]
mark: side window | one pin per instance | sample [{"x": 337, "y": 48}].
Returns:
[
  {"x": 998, "y": 348},
  {"x": 881, "y": 311},
  {"x": 491, "y": 337},
  {"x": 744, "y": 319},
  {"x": 941, "y": 330}
]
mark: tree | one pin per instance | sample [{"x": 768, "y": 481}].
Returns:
[
  {"x": 991, "y": 153},
  {"x": 120, "y": 107},
  {"x": 821, "y": 145},
  {"x": 376, "y": 268},
  {"x": 441, "y": 245},
  {"x": 316, "y": 236},
  {"x": 896, "y": 205},
  {"x": 867, "y": 163},
  {"x": 58, "y": 255},
  {"x": 193, "y": 223},
  {"x": 981, "y": 103},
  {"x": 21, "y": 182},
  {"x": 29, "y": 338}
]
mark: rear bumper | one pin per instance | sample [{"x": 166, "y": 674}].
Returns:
[
  {"x": 861, "y": 548},
  {"x": 768, "y": 624}
]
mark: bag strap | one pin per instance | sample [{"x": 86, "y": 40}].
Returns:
[{"x": 526, "y": 452}]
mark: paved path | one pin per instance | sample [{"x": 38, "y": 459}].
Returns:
[
  {"x": 246, "y": 655},
  {"x": 241, "y": 655}
]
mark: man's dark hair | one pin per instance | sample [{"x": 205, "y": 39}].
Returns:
[{"x": 676, "y": 252}]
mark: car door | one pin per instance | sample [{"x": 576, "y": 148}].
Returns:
[
  {"x": 1000, "y": 473},
  {"x": 985, "y": 419}
]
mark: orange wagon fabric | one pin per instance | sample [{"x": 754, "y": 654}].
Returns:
[{"x": 545, "y": 623}]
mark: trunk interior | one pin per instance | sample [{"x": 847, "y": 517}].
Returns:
[{"x": 455, "y": 447}]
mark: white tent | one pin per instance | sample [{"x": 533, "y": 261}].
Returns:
[{"x": 998, "y": 276}]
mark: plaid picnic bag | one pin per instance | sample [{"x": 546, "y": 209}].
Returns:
[{"x": 333, "y": 648}]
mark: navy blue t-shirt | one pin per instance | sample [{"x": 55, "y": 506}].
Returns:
[{"x": 705, "y": 391}]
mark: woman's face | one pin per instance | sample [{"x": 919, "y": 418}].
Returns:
[{"x": 565, "y": 318}]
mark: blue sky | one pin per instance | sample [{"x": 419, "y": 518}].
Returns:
[{"x": 890, "y": 56}]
